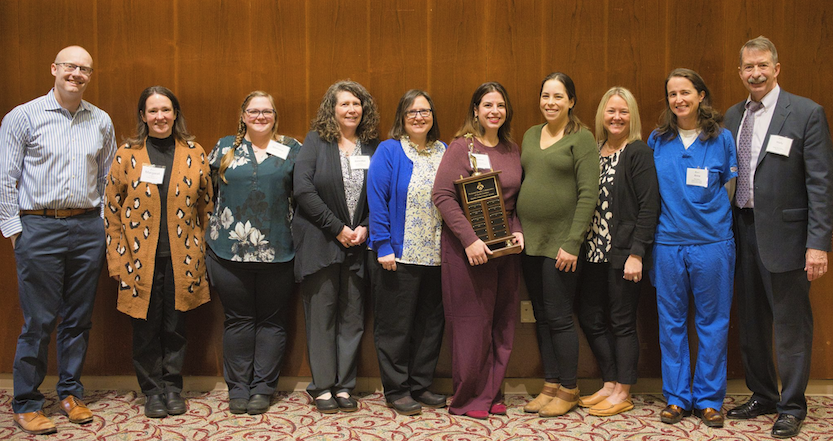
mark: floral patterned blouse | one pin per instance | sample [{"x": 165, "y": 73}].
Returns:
[
  {"x": 353, "y": 179},
  {"x": 423, "y": 223},
  {"x": 253, "y": 210},
  {"x": 598, "y": 235}
]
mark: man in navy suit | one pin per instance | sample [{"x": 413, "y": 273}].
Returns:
[{"x": 783, "y": 211}]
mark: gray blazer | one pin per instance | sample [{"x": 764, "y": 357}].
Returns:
[{"x": 794, "y": 194}]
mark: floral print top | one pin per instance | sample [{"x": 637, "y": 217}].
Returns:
[
  {"x": 253, "y": 211},
  {"x": 353, "y": 179},
  {"x": 423, "y": 223},
  {"x": 598, "y": 235}
]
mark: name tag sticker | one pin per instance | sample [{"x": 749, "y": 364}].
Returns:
[
  {"x": 277, "y": 149},
  {"x": 152, "y": 174},
  {"x": 360, "y": 162},
  {"x": 482, "y": 161},
  {"x": 698, "y": 177},
  {"x": 780, "y": 145}
]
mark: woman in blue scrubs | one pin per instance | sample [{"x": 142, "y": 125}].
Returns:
[{"x": 694, "y": 251}]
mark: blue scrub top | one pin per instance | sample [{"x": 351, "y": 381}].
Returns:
[{"x": 690, "y": 214}]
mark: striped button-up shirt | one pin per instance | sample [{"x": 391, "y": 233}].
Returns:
[{"x": 51, "y": 159}]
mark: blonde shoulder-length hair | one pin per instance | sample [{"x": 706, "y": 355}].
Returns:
[{"x": 635, "y": 128}]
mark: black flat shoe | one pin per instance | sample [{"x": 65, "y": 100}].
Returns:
[
  {"x": 786, "y": 426},
  {"x": 155, "y": 406},
  {"x": 348, "y": 404},
  {"x": 430, "y": 399},
  {"x": 326, "y": 406},
  {"x": 175, "y": 403},
  {"x": 750, "y": 409},
  {"x": 405, "y": 406},
  {"x": 258, "y": 404},
  {"x": 237, "y": 405}
]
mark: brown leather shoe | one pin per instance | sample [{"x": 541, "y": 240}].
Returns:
[
  {"x": 76, "y": 410},
  {"x": 546, "y": 395},
  {"x": 710, "y": 417},
  {"x": 35, "y": 423},
  {"x": 673, "y": 414},
  {"x": 565, "y": 400}
]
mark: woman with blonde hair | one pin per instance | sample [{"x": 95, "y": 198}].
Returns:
[
  {"x": 619, "y": 239},
  {"x": 250, "y": 255}
]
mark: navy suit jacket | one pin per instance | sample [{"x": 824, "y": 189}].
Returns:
[{"x": 793, "y": 194}]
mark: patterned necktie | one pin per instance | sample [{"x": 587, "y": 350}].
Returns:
[{"x": 745, "y": 153}]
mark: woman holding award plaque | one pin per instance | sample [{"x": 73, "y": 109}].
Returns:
[
  {"x": 404, "y": 263},
  {"x": 480, "y": 294},
  {"x": 329, "y": 230},
  {"x": 556, "y": 202}
]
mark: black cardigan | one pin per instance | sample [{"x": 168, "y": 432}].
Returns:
[
  {"x": 322, "y": 207},
  {"x": 635, "y": 204}
]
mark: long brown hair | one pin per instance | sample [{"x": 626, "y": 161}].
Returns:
[
  {"x": 325, "y": 120},
  {"x": 241, "y": 130},
  {"x": 708, "y": 119},
  {"x": 180, "y": 129},
  {"x": 470, "y": 124},
  {"x": 573, "y": 124}
]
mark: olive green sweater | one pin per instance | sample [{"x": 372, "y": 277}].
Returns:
[{"x": 559, "y": 191}]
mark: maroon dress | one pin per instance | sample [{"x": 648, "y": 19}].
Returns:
[{"x": 480, "y": 302}]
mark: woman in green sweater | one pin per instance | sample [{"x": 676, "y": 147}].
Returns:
[{"x": 555, "y": 205}]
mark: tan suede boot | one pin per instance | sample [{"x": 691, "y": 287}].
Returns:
[
  {"x": 546, "y": 395},
  {"x": 564, "y": 401}
]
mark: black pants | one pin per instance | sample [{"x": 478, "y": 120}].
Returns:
[
  {"x": 768, "y": 302},
  {"x": 552, "y": 293},
  {"x": 607, "y": 314},
  {"x": 159, "y": 342},
  {"x": 408, "y": 325},
  {"x": 255, "y": 299}
]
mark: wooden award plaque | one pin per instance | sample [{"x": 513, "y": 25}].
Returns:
[{"x": 482, "y": 199}]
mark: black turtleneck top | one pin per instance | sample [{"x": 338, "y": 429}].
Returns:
[{"x": 161, "y": 152}]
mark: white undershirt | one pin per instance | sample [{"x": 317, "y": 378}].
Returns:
[{"x": 688, "y": 136}]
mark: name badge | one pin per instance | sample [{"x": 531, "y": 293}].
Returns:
[
  {"x": 698, "y": 177},
  {"x": 277, "y": 149},
  {"x": 152, "y": 174},
  {"x": 360, "y": 162},
  {"x": 482, "y": 161},
  {"x": 780, "y": 145}
]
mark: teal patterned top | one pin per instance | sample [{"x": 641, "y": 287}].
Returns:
[{"x": 253, "y": 211}]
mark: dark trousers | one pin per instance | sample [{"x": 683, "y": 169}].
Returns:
[
  {"x": 334, "y": 311},
  {"x": 772, "y": 301},
  {"x": 607, "y": 314},
  {"x": 159, "y": 342},
  {"x": 408, "y": 325},
  {"x": 552, "y": 293},
  {"x": 58, "y": 266},
  {"x": 255, "y": 299}
]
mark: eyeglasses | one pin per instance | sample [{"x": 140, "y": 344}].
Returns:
[
  {"x": 69, "y": 67},
  {"x": 254, "y": 113},
  {"x": 411, "y": 114}
]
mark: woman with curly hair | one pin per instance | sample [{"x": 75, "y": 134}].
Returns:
[
  {"x": 329, "y": 231},
  {"x": 250, "y": 254},
  {"x": 694, "y": 247}
]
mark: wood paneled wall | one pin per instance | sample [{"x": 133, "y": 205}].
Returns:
[{"x": 211, "y": 53}]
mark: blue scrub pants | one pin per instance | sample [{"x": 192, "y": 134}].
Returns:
[{"x": 706, "y": 272}]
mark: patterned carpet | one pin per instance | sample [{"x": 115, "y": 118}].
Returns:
[{"x": 119, "y": 416}]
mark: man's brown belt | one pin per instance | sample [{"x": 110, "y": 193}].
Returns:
[{"x": 68, "y": 212}]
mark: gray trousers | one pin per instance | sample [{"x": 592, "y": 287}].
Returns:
[{"x": 334, "y": 311}]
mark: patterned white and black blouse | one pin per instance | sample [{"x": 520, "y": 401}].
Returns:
[{"x": 598, "y": 235}]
